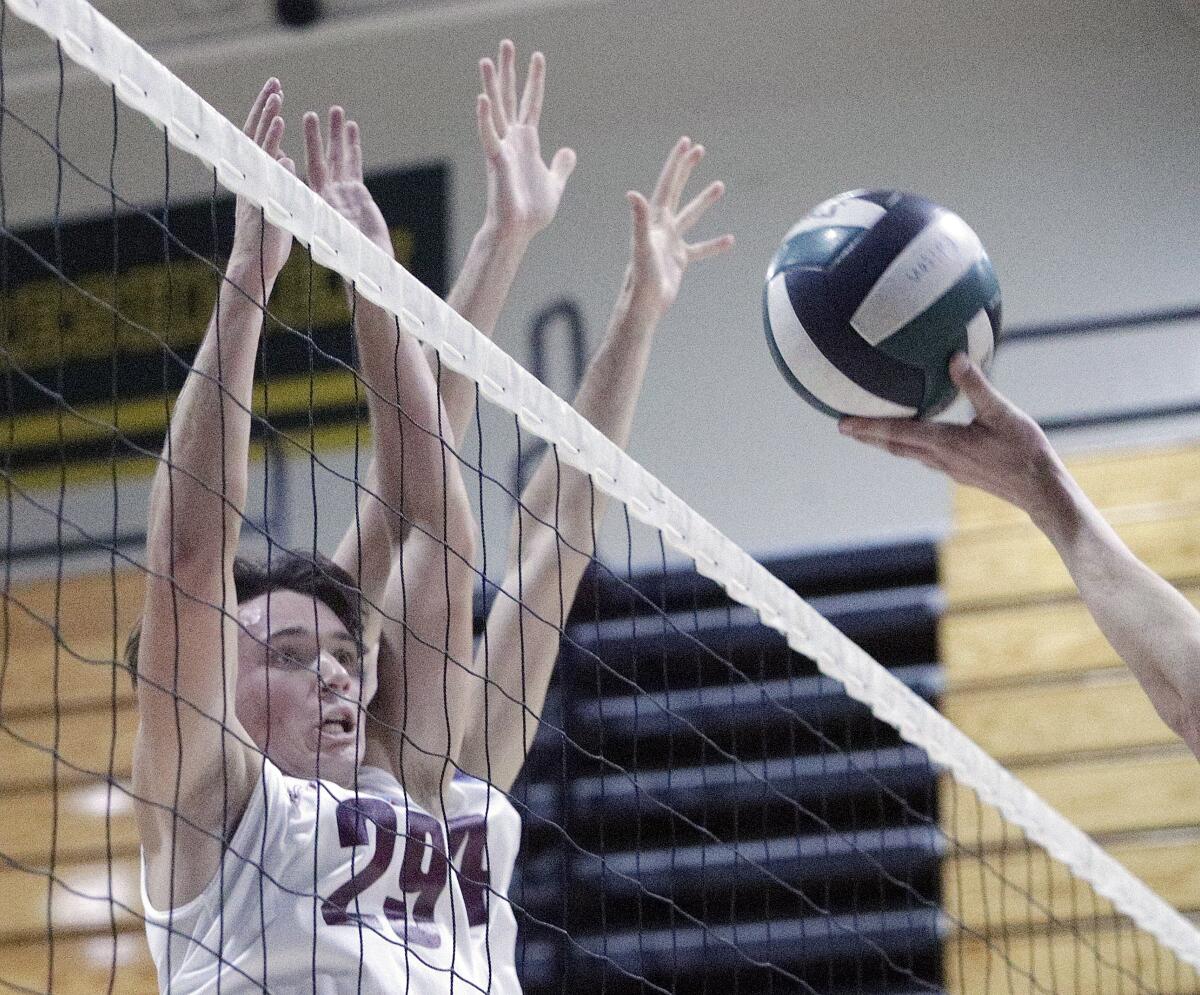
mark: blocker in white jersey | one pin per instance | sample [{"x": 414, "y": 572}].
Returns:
[
  {"x": 485, "y": 835},
  {"x": 329, "y": 890}
]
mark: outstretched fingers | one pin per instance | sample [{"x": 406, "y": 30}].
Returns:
[
  {"x": 886, "y": 433},
  {"x": 698, "y": 206},
  {"x": 662, "y": 189},
  {"x": 708, "y": 249},
  {"x": 491, "y": 89},
  {"x": 530, "y": 112},
  {"x": 271, "y": 86},
  {"x": 314, "y": 151},
  {"x": 508, "y": 79},
  {"x": 489, "y": 138},
  {"x": 354, "y": 150},
  {"x": 337, "y": 142},
  {"x": 269, "y": 133},
  {"x": 683, "y": 173}
]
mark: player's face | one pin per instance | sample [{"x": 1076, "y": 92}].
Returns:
[{"x": 302, "y": 686}]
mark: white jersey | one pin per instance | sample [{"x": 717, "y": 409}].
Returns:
[
  {"x": 333, "y": 892},
  {"x": 485, "y": 835}
]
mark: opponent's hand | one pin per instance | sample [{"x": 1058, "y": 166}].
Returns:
[
  {"x": 523, "y": 192},
  {"x": 1003, "y": 451},
  {"x": 260, "y": 249},
  {"x": 336, "y": 174},
  {"x": 660, "y": 253}
]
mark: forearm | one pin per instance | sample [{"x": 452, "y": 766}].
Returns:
[
  {"x": 202, "y": 475},
  {"x": 546, "y": 562},
  {"x": 418, "y": 482},
  {"x": 1153, "y": 628},
  {"x": 479, "y": 295},
  {"x": 607, "y": 397}
]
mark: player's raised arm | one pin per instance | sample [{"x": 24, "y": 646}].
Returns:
[
  {"x": 1152, "y": 626},
  {"x": 420, "y": 516},
  {"x": 187, "y": 648},
  {"x": 523, "y": 195},
  {"x": 523, "y": 638}
]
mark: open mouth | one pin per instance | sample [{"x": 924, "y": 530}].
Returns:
[{"x": 338, "y": 723}]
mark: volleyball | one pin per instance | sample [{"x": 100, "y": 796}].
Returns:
[{"x": 870, "y": 295}]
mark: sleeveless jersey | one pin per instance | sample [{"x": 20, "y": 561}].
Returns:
[
  {"x": 332, "y": 892},
  {"x": 485, "y": 835}
]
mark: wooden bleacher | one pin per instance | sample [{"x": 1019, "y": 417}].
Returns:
[
  {"x": 1030, "y": 677},
  {"x": 93, "y": 907}
]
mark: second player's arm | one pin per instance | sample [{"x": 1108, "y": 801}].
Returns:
[
  {"x": 1153, "y": 628},
  {"x": 545, "y": 566},
  {"x": 417, "y": 540},
  {"x": 523, "y": 194}
]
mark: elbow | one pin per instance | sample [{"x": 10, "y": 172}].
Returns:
[{"x": 1185, "y": 720}]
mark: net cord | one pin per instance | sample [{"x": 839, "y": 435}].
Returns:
[{"x": 195, "y": 127}]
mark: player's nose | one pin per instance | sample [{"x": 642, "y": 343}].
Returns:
[{"x": 333, "y": 675}]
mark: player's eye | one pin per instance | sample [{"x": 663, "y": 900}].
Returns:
[
  {"x": 350, "y": 660},
  {"x": 291, "y": 658}
]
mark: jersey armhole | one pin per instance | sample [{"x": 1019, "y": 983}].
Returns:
[{"x": 266, "y": 813}]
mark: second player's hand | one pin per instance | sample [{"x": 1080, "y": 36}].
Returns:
[
  {"x": 335, "y": 172},
  {"x": 1003, "y": 451},
  {"x": 523, "y": 193},
  {"x": 260, "y": 249},
  {"x": 661, "y": 254}
]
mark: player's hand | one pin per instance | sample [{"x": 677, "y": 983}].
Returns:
[
  {"x": 260, "y": 249},
  {"x": 335, "y": 172},
  {"x": 660, "y": 253},
  {"x": 1003, "y": 451},
  {"x": 523, "y": 192}
]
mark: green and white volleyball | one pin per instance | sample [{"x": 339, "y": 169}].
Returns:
[{"x": 870, "y": 295}]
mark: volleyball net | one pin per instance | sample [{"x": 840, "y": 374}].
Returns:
[{"x": 723, "y": 789}]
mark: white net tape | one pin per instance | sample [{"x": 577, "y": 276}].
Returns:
[{"x": 144, "y": 84}]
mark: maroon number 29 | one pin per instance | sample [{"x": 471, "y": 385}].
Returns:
[{"x": 423, "y": 834}]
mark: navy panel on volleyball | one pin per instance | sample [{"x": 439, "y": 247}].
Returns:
[{"x": 868, "y": 298}]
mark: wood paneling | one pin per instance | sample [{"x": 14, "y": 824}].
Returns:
[
  {"x": 1032, "y": 680},
  {"x": 1170, "y": 475},
  {"x": 1021, "y": 887},
  {"x": 28, "y": 747},
  {"x": 85, "y": 814},
  {"x": 1019, "y": 642},
  {"x": 1160, "y": 790},
  {"x": 80, "y": 900},
  {"x": 84, "y": 624},
  {"x": 1051, "y": 720},
  {"x": 82, "y": 966},
  {"x": 1017, "y": 563},
  {"x": 1089, "y": 962}
]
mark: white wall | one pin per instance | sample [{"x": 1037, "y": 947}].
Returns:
[{"x": 1065, "y": 132}]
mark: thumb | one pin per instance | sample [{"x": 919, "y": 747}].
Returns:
[
  {"x": 640, "y": 209},
  {"x": 563, "y": 164},
  {"x": 969, "y": 378}
]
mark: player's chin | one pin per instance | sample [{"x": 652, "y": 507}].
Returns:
[{"x": 336, "y": 756}]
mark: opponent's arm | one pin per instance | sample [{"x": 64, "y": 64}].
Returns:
[
  {"x": 523, "y": 194},
  {"x": 523, "y": 638},
  {"x": 1005, "y": 453},
  {"x": 187, "y": 650},
  {"x": 420, "y": 516}
]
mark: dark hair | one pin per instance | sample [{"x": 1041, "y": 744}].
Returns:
[{"x": 317, "y": 576}]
